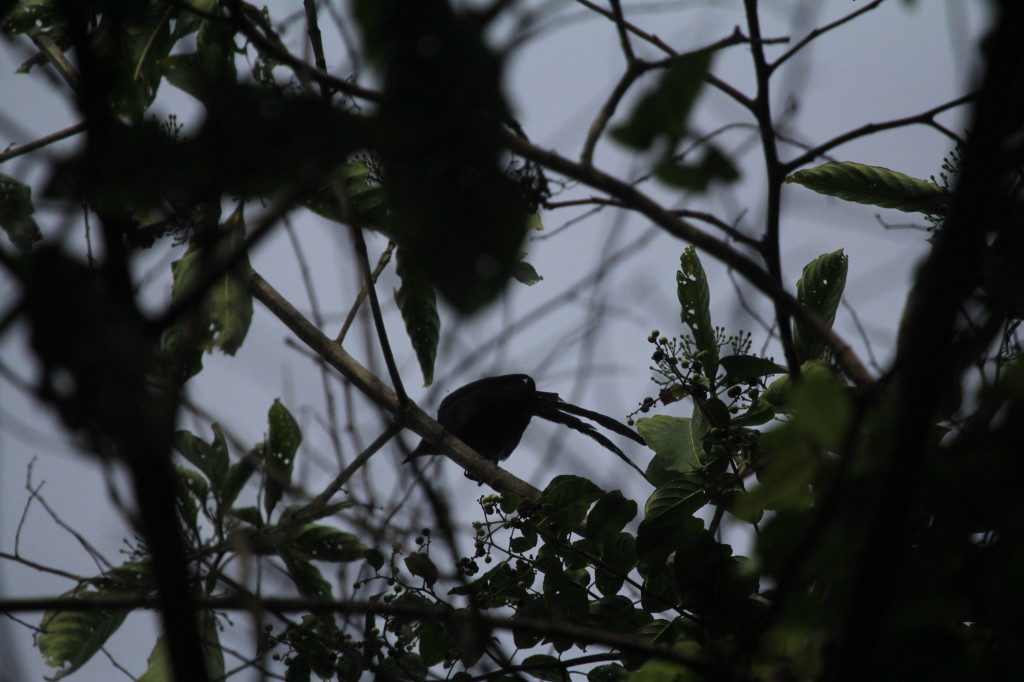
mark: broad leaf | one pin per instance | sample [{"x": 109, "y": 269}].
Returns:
[
  {"x": 874, "y": 185},
  {"x": 565, "y": 501},
  {"x": 420, "y": 564},
  {"x": 325, "y": 543},
  {"x": 418, "y": 304},
  {"x": 279, "y": 449},
  {"x": 820, "y": 288},
  {"x": 676, "y": 442},
  {"x": 695, "y": 301},
  {"x": 739, "y": 368},
  {"x": 669, "y": 521},
  {"x": 609, "y": 516},
  {"x": 663, "y": 111},
  {"x": 222, "y": 318},
  {"x": 160, "y": 664}
]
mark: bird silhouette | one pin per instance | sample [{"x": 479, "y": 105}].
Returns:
[{"x": 490, "y": 415}]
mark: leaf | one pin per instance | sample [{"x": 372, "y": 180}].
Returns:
[
  {"x": 418, "y": 304},
  {"x": 545, "y": 667},
  {"x": 525, "y": 273},
  {"x": 711, "y": 166},
  {"x": 820, "y": 288},
  {"x": 874, "y": 185},
  {"x": 668, "y": 517},
  {"x": 211, "y": 459},
  {"x": 739, "y": 368},
  {"x": 183, "y": 72},
  {"x": 307, "y": 577},
  {"x": 222, "y": 318},
  {"x": 676, "y": 442},
  {"x": 609, "y": 516},
  {"x": 565, "y": 501},
  {"x": 609, "y": 672},
  {"x": 159, "y": 660},
  {"x": 16, "y": 211},
  {"x": 326, "y": 543},
  {"x": 695, "y": 301},
  {"x": 664, "y": 110},
  {"x": 234, "y": 480},
  {"x": 441, "y": 132},
  {"x": 420, "y": 564},
  {"x": 280, "y": 448},
  {"x": 68, "y": 639}
]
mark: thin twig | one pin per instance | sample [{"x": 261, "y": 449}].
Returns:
[
  {"x": 382, "y": 261},
  {"x": 301, "y": 68},
  {"x": 924, "y": 117},
  {"x": 316, "y": 41},
  {"x": 620, "y": 27},
  {"x": 818, "y": 32},
  {"x": 42, "y": 142}
]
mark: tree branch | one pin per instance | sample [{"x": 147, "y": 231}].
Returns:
[
  {"x": 382, "y": 395},
  {"x": 636, "y": 200}
]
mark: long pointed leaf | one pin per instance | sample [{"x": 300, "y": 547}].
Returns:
[
  {"x": 874, "y": 185},
  {"x": 695, "y": 301}
]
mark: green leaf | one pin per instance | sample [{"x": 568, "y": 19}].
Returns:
[
  {"x": 676, "y": 442},
  {"x": 325, "y": 543},
  {"x": 740, "y": 368},
  {"x": 668, "y": 517},
  {"x": 820, "y": 288},
  {"x": 544, "y": 667},
  {"x": 280, "y": 448},
  {"x": 235, "y": 479},
  {"x": 16, "y": 211},
  {"x": 664, "y": 110},
  {"x": 68, "y": 639},
  {"x": 29, "y": 15},
  {"x": 565, "y": 501},
  {"x": 713, "y": 165},
  {"x": 159, "y": 660},
  {"x": 307, "y": 577},
  {"x": 609, "y": 516},
  {"x": 695, "y": 301},
  {"x": 183, "y": 72},
  {"x": 874, "y": 185},
  {"x": 420, "y": 564},
  {"x": 192, "y": 491},
  {"x": 223, "y": 317},
  {"x": 620, "y": 557},
  {"x": 525, "y": 273},
  {"x": 211, "y": 459},
  {"x": 609, "y": 672},
  {"x": 418, "y": 304}
]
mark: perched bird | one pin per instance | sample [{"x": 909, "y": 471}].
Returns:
[{"x": 490, "y": 416}]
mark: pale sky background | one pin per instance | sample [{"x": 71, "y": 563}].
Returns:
[{"x": 898, "y": 60}]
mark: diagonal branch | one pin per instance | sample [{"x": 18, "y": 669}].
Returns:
[
  {"x": 634, "y": 199},
  {"x": 381, "y": 394},
  {"x": 925, "y": 117}
]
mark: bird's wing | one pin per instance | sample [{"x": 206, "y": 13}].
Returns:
[
  {"x": 550, "y": 411},
  {"x": 607, "y": 422}
]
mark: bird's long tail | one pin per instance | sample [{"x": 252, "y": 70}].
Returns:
[{"x": 554, "y": 409}]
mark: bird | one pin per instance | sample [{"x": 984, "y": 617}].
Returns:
[{"x": 491, "y": 414}]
